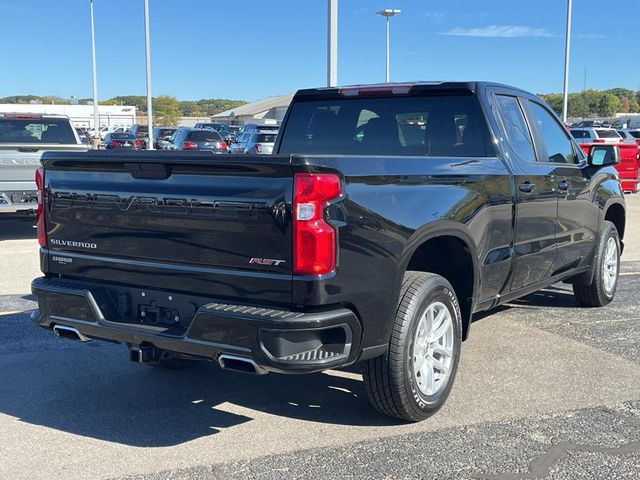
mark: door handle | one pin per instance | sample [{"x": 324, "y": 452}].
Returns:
[
  {"x": 527, "y": 187},
  {"x": 563, "y": 184}
]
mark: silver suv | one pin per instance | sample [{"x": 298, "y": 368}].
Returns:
[
  {"x": 255, "y": 142},
  {"x": 23, "y": 138}
]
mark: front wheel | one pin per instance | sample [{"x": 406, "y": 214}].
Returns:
[
  {"x": 413, "y": 379},
  {"x": 602, "y": 288}
]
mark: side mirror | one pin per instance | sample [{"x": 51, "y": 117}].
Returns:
[{"x": 603, "y": 155}]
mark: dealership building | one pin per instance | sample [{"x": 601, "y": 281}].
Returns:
[{"x": 111, "y": 116}]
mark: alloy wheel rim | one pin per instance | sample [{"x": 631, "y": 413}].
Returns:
[
  {"x": 433, "y": 349},
  {"x": 610, "y": 266}
]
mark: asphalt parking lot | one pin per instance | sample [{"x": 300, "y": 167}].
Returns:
[{"x": 546, "y": 390}]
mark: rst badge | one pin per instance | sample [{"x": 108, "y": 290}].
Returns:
[{"x": 265, "y": 261}]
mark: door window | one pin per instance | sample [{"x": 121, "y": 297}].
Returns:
[
  {"x": 516, "y": 127},
  {"x": 558, "y": 144}
]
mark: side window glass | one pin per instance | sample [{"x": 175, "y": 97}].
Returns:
[
  {"x": 556, "y": 140},
  {"x": 516, "y": 127}
]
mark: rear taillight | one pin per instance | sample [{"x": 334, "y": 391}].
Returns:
[
  {"x": 40, "y": 211},
  {"x": 136, "y": 144},
  {"x": 115, "y": 143},
  {"x": 599, "y": 140},
  {"x": 258, "y": 148},
  {"x": 314, "y": 239},
  {"x": 187, "y": 145},
  {"x": 221, "y": 144}
]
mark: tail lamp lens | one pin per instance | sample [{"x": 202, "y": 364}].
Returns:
[
  {"x": 314, "y": 245},
  {"x": 40, "y": 211}
]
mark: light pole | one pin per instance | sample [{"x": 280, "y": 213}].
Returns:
[
  {"x": 96, "y": 118},
  {"x": 567, "y": 46},
  {"x": 148, "y": 59},
  {"x": 332, "y": 43},
  {"x": 388, "y": 13}
]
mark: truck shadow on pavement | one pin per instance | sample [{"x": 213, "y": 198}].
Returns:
[
  {"x": 93, "y": 391},
  {"x": 17, "y": 227}
]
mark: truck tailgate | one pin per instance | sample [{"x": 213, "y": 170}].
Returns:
[
  {"x": 204, "y": 224},
  {"x": 18, "y": 161}
]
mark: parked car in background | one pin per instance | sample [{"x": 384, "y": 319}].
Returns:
[
  {"x": 141, "y": 132},
  {"x": 627, "y": 167},
  {"x": 120, "y": 140},
  {"x": 249, "y": 127},
  {"x": 596, "y": 135},
  {"x": 627, "y": 123},
  {"x": 630, "y": 136},
  {"x": 160, "y": 136},
  {"x": 255, "y": 142},
  {"x": 198, "y": 139},
  {"x": 83, "y": 135},
  {"x": 23, "y": 138},
  {"x": 222, "y": 128}
]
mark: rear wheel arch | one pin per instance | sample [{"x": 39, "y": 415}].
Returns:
[
  {"x": 615, "y": 213},
  {"x": 449, "y": 251}
]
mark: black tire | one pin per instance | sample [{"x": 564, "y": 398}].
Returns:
[
  {"x": 596, "y": 294},
  {"x": 389, "y": 379}
]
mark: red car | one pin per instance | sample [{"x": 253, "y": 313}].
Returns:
[{"x": 628, "y": 166}]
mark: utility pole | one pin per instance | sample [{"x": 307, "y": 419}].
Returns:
[
  {"x": 387, "y": 13},
  {"x": 148, "y": 59},
  {"x": 332, "y": 43},
  {"x": 96, "y": 117},
  {"x": 567, "y": 47}
]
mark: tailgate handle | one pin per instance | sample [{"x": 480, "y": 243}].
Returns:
[{"x": 148, "y": 170}]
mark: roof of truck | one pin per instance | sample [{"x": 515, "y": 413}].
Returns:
[{"x": 403, "y": 87}]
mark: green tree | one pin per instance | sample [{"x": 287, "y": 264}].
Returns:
[
  {"x": 608, "y": 104},
  {"x": 577, "y": 105},
  {"x": 138, "y": 101},
  {"x": 166, "y": 111},
  {"x": 555, "y": 101}
]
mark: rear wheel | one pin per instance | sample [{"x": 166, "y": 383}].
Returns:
[
  {"x": 603, "y": 286},
  {"x": 413, "y": 379}
]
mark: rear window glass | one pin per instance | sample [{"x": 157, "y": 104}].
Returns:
[
  {"x": 165, "y": 132},
  {"x": 580, "y": 134},
  {"x": 205, "y": 136},
  {"x": 635, "y": 134},
  {"x": 412, "y": 126},
  {"x": 123, "y": 136},
  {"x": 608, "y": 134},
  {"x": 36, "y": 131},
  {"x": 266, "y": 138}
]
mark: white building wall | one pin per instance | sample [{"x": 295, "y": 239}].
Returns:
[{"x": 80, "y": 115}]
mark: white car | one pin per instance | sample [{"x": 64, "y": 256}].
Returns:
[
  {"x": 596, "y": 135},
  {"x": 630, "y": 136}
]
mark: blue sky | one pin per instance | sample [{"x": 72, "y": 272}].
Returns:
[{"x": 252, "y": 49}]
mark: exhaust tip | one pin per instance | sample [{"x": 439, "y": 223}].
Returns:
[
  {"x": 240, "y": 364},
  {"x": 71, "y": 333}
]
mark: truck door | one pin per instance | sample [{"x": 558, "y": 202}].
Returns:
[
  {"x": 578, "y": 214},
  {"x": 536, "y": 207}
]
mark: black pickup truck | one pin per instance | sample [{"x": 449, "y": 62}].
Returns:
[{"x": 387, "y": 216}]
